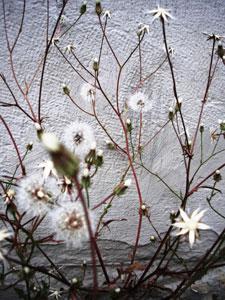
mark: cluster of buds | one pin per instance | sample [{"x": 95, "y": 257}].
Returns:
[
  {"x": 94, "y": 157},
  {"x": 217, "y": 176},
  {"x": 122, "y": 187}
]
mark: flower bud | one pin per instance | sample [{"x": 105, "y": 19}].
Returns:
[
  {"x": 98, "y": 7},
  {"x": 152, "y": 238},
  {"x": 217, "y": 176},
  {"x": 129, "y": 125},
  {"x": 110, "y": 145},
  {"x": 220, "y": 50},
  {"x": 39, "y": 129},
  {"x": 122, "y": 187},
  {"x": 99, "y": 158},
  {"x": 29, "y": 146},
  {"x": 86, "y": 180},
  {"x": 171, "y": 114},
  {"x": 95, "y": 65},
  {"x": 83, "y": 7},
  {"x": 66, "y": 90},
  {"x": 201, "y": 128}
]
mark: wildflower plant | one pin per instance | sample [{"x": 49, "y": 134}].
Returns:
[{"x": 71, "y": 189}]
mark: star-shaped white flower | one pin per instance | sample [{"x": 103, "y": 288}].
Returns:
[
  {"x": 161, "y": 13},
  {"x": 56, "y": 294},
  {"x": 191, "y": 224},
  {"x": 48, "y": 169},
  {"x": 143, "y": 28},
  {"x": 107, "y": 14}
]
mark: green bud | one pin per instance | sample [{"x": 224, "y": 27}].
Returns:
[
  {"x": 29, "y": 146},
  {"x": 66, "y": 90},
  {"x": 220, "y": 50},
  {"x": 95, "y": 65},
  {"x": 171, "y": 114},
  {"x": 129, "y": 125},
  {"x": 83, "y": 8},
  {"x": 217, "y": 176},
  {"x": 201, "y": 128},
  {"x": 98, "y": 7}
]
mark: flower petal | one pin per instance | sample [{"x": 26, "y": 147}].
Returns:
[
  {"x": 191, "y": 237},
  {"x": 203, "y": 226},
  {"x": 184, "y": 215}
]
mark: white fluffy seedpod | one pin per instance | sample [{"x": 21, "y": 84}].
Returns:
[
  {"x": 79, "y": 137},
  {"x": 139, "y": 102},
  {"x": 70, "y": 224},
  {"x": 36, "y": 196}
]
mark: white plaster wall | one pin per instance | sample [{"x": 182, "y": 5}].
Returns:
[{"x": 191, "y": 60}]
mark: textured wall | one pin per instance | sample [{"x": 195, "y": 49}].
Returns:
[{"x": 191, "y": 60}]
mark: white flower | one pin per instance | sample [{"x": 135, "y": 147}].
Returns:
[
  {"x": 37, "y": 196},
  {"x": 48, "y": 169},
  {"x": 56, "y": 294},
  {"x": 50, "y": 142},
  {"x": 69, "y": 48},
  {"x": 70, "y": 224},
  {"x": 107, "y": 14},
  {"x": 191, "y": 224},
  {"x": 139, "y": 102},
  {"x": 4, "y": 234},
  {"x": 79, "y": 138},
  {"x": 87, "y": 92},
  {"x": 161, "y": 13},
  {"x": 143, "y": 28}
]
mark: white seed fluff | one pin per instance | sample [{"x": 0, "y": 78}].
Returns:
[
  {"x": 139, "y": 102},
  {"x": 70, "y": 225},
  {"x": 79, "y": 138}
]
